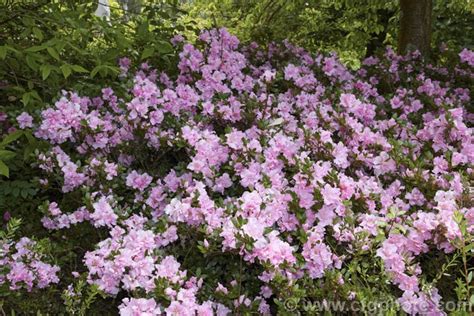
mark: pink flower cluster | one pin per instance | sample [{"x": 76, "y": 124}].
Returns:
[
  {"x": 130, "y": 260},
  {"x": 24, "y": 266},
  {"x": 288, "y": 161}
]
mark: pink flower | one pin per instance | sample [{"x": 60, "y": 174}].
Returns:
[
  {"x": 251, "y": 202},
  {"x": 25, "y": 120},
  {"x": 222, "y": 183},
  {"x": 138, "y": 181},
  {"x": 6, "y": 216},
  {"x": 110, "y": 169},
  {"x": 234, "y": 139},
  {"x": 331, "y": 195},
  {"x": 177, "y": 39},
  {"x": 317, "y": 255},
  {"x": 103, "y": 214},
  {"x": 254, "y": 228},
  {"x": 467, "y": 56},
  {"x": 139, "y": 307},
  {"x": 169, "y": 269}
]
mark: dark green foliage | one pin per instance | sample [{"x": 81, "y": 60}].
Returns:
[
  {"x": 353, "y": 29},
  {"x": 47, "y": 47}
]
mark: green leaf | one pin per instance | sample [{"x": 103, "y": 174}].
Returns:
[
  {"x": 66, "y": 70},
  {"x": 142, "y": 29},
  {"x": 6, "y": 154},
  {"x": 45, "y": 71},
  {"x": 11, "y": 137},
  {"x": 469, "y": 247},
  {"x": 34, "y": 49},
  {"x": 35, "y": 95},
  {"x": 4, "y": 169},
  {"x": 12, "y": 49},
  {"x": 165, "y": 47},
  {"x": 38, "y": 34},
  {"x": 104, "y": 70},
  {"x": 96, "y": 70},
  {"x": 25, "y": 98},
  {"x": 31, "y": 62},
  {"x": 3, "y": 52},
  {"x": 53, "y": 53},
  {"x": 31, "y": 139},
  {"x": 147, "y": 52},
  {"x": 78, "y": 68}
]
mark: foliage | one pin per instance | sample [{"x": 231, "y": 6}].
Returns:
[
  {"x": 48, "y": 46},
  {"x": 353, "y": 29}
]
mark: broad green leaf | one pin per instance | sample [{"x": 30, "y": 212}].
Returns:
[
  {"x": 38, "y": 34},
  {"x": 34, "y": 49},
  {"x": 12, "y": 49},
  {"x": 45, "y": 71},
  {"x": 104, "y": 70},
  {"x": 6, "y": 154},
  {"x": 25, "y": 98},
  {"x": 147, "y": 52},
  {"x": 4, "y": 169},
  {"x": 96, "y": 70},
  {"x": 11, "y": 137},
  {"x": 78, "y": 68},
  {"x": 165, "y": 47},
  {"x": 66, "y": 70},
  {"x": 35, "y": 95},
  {"x": 53, "y": 53},
  {"x": 31, "y": 139},
  {"x": 469, "y": 247},
  {"x": 3, "y": 52},
  {"x": 31, "y": 62}
]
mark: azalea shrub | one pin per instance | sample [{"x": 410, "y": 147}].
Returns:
[{"x": 257, "y": 180}]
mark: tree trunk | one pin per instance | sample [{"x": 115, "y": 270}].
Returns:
[{"x": 415, "y": 26}]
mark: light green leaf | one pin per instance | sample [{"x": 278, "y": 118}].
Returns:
[
  {"x": 96, "y": 70},
  {"x": 38, "y": 34},
  {"x": 6, "y": 154},
  {"x": 4, "y": 169},
  {"x": 34, "y": 49},
  {"x": 31, "y": 139},
  {"x": 147, "y": 52},
  {"x": 11, "y": 137},
  {"x": 78, "y": 68},
  {"x": 53, "y": 53},
  {"x": 165, "y": 47},
  {"x": 12, "y": 49},
  {"x": 31, "y": 62},
  {"x": 25, "y": 98},
  {"x": 45, "y": 71},
  {"x": 35, "y": 95},
  {"x": 66, "y": 70},
  {"x": 3, "y": 52}
]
